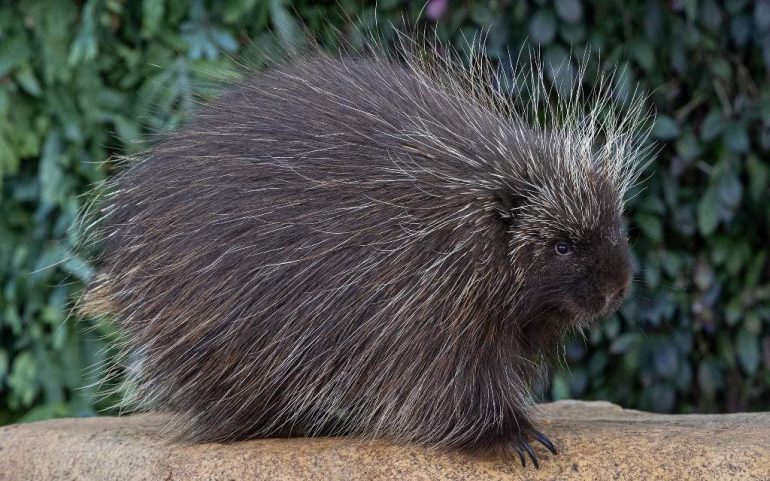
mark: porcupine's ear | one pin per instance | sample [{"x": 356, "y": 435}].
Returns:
[{"x": 506, "y": 203}]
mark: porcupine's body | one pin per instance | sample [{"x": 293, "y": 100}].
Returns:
[{"x": 362, "y": 246}]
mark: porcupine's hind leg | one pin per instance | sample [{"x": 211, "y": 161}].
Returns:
[{"x": 520, "y": 443}]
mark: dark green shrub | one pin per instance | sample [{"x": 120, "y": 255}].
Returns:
[{"x": 81, "y": 81}]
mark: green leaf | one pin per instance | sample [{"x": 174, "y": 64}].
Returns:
[
  {"x": 612, "y": 327},
  {"x": 47, "y": 411},
  {"x": 644, "y": 53},
  {"x": 755, "y": 269},
  {"x": 23, "y": 379},
  {"x": 598, "y": 363},
  {"x": 703, "y": 277},
  {"x": 85, "y": 46},
  {"x": 710, "y": 379},
  {"x": 78, "y": 267},
  {"x": 152, "y": 16},
  {"x": 520, "y": 12},
  {"x": 560, "y": 387},
  {"x": 50, "y": 174},
  {"x": 762, "y": 15},
  {"x": 711, "y": 14},
  {"x": 759, "y": 173},
  {"x": 735, "y": 6},
  {"x": 542, "y": 26},
  {"x": 738, "y": 257},
  {"x": 736, "y": 138},
  {"x": 288, "y": 30},
  {"x": 235, "y": 10},
  {"x": 3, "y": 364},
  {"x": 740, "y": 29},
  {"x": 708, "y": 211},
  {"x": 571, "y": 11},
  {"x": 27, "y": 80},
  {"x": 712, "y": 126},
  {"x": 665, "y": 128},
  {"x": 659, "y": 398},
  {"x": 651, "y": 225},
  {"x": 14, "y": 50},
  {"x": 624, "y": 342},
  {"x": 482, "y": 14},
  {"x": 753, "y": 324},
  {"x": 688, "y": 147},
  {"x": 573, "y": 34},
  {"x": 730, "y": 190},
  {"x": 666, "y": 360},
  {"x": 721, "y": 68},
  {"x": 734, "y": 311},
  {"x": 747, "y": 346}
]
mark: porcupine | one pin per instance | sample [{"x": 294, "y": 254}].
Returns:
[{"x": 368, "y": 245}]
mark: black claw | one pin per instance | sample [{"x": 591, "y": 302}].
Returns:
[
  {"x": 521, "y": 444},
  {"x": 542, "y": 439},
  {"x": 521, "y": 456},
  {"x": 520, "y": 452},
  {"x": 532, "y": 454}
]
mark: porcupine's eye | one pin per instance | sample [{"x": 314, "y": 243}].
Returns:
[{"x": 563, "y": 248}]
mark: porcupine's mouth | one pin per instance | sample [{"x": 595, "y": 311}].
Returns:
[
  {"x": 577, "y": 316},
  {"x": 585, "y": 317},
  {"x": 558, "y": 319}
]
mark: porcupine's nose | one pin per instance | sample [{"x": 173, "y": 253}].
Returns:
[
  {"x": 619, "y": 277},
  {"x": 614, "y": 296},
  {"x": 617, "y": 290}
]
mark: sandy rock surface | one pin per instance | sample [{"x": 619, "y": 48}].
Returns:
[{"x": 597, "y": 441}]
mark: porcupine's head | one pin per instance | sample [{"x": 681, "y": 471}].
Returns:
[
  {"x": 566, "y": 238},
  {"x": 563, "y": 209}
]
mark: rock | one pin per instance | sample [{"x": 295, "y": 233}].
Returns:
[{"x": 597, "y": 441}]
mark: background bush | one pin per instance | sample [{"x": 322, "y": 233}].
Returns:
[{"x": 81, "y": 81}]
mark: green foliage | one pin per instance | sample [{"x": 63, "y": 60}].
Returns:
[{"x": 83, "y": 81}]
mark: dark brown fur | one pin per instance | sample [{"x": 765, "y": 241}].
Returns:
[{"x": 350, "y": 246}]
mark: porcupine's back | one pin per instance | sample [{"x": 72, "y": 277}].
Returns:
[{"x": 317, "y": 253}]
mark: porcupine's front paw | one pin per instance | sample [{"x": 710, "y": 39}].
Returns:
[{"x": 520, "y": 444}]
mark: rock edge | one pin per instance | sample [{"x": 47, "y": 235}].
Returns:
[{"x": 597, "y": 441}]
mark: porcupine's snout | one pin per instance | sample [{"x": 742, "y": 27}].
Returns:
[
  {"x": 615, "y": 296},
  {"x": 604, "y": 282},
  {"x": 614, "y": 279}
]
